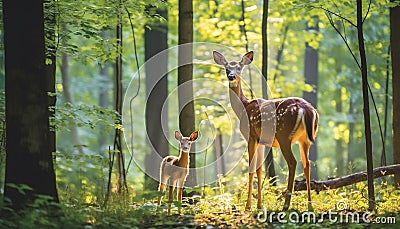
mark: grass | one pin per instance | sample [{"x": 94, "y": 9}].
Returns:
[{"x": 222, "y": 207}]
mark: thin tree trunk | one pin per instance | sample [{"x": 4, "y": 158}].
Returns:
[
  {"x": 350, "y": 145},
  {"x": 311, "y": 77},
  {"x": 395, "y": 46},
  {"x": 104, "y": 100},
  {"x": 339, "y": 141},
  {"x": 269, "y": 160},
  {"x": 367, "y": 124},
  {"x": 122, "y": 186},
  {"x": 65, "y": 77},
  {"x": 220, "y": 165},
  {"x": 185, "y": 76}
]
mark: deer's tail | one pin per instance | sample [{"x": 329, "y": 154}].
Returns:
[{"x": 310, "y": 122}]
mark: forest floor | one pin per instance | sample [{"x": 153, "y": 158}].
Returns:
[{"x": 340, "y": 208}]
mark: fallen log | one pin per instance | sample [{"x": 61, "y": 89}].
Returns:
[{"x": 347, "y": 180}]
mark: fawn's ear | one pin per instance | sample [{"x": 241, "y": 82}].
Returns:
[
  {"x": 178, "y": 135},
  {"x": 247, "y": 58},
  {"x": 219, "y": 58},
  {"x": 194, "y": 136}
]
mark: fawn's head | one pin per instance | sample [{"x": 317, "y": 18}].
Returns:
[
  {"x": 233, "y": 68},
  {"x": 186, "y": 142}
]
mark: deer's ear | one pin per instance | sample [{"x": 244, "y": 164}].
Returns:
[
  {"x": 194, "y": 136},
  {"x": 178, "y": 135},
  {"x": 219, "y": 58},
  {"x": 247, "y": 58}
]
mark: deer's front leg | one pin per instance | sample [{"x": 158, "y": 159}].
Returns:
[
  {"x": 170, "y": 197},
  {"x": 252, "y": 146},
  {"x": 161, "y": 188},
  {"x": 260, "y": 160}
]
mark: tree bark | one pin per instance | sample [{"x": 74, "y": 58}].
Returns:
[
  {"x": 156, "y": 42},
  {"x": 395, "y": 46},
  {"x": 29, "y": 159},
  {"x": 68, "y": 98},
  {"x": 104, "y": 99},
  {"x": 350, "y": 145},
  {"x": 311, "y": 77},
  {"x": 339, "y": 141},
  {"x": 347, "y": 180},
  {"x": 367, "y": 124},
  {"x": 185, "y": 77},
  {"x": 269, "y": 160},
  {"x": 122, "y": 186}
]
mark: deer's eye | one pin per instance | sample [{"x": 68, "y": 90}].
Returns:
[{"x": 228, "y": 71}]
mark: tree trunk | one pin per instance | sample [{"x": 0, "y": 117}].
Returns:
[
  {"x": 350, "y": 145},
  {"x": 104, "y": 100},
  {"x": 311, "y": 77},
  {"x": 120, "y": 161},
  {"x": 50, "y": 67},
  {"x": 156, "y": 40},
  {"x": 395, "y": 46},
  {"x": 68, "y": 98},
  {"x": 185, "y": 76},
  {"x": 29, "y": 159},
  {"x": 339, "y": 141},
  {"x": 219, "y": 159},
  {"x": 367, "y": 124},
  {"x": 269, "y": 160}
]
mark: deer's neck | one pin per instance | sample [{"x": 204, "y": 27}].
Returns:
[
  {"x": 238, "y": 100},
  {"x": 184, "y": 159}
]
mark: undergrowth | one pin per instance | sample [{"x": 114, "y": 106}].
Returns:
[{"x": 222, "y": 207}]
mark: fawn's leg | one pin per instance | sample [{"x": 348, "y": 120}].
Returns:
[
  {"x": 170, "y": 197},
  {"x": 180, "y": 192},
  {"x": 161, "y": 188}
]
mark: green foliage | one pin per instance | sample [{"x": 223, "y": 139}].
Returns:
[
  {"x": 215, "y": 210},
  {"x": 84, "y": 30},
  {"x": 85, "y": 115}
]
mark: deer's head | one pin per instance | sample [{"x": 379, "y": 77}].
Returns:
[
  {"x": 233, "y": 68},
  {"x": 186, "y": 142}
]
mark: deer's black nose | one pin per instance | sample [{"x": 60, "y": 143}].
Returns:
[{"x": 231, "y": 76}]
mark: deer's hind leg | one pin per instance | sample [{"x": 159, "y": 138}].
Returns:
[
  {"x": 291, "y": 162},
  {"x": 304, "y": 149}
]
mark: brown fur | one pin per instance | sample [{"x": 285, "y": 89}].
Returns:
[
  {"x": 174, "y": 170},
  {"x": 295, "y": 121}
]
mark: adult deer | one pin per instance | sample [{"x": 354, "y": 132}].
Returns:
[
  {"x": 174, "y": 170},
  {"x": 294, "y": 120}
]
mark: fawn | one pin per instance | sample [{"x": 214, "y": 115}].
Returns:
[{"x": 174, "y": 170}]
